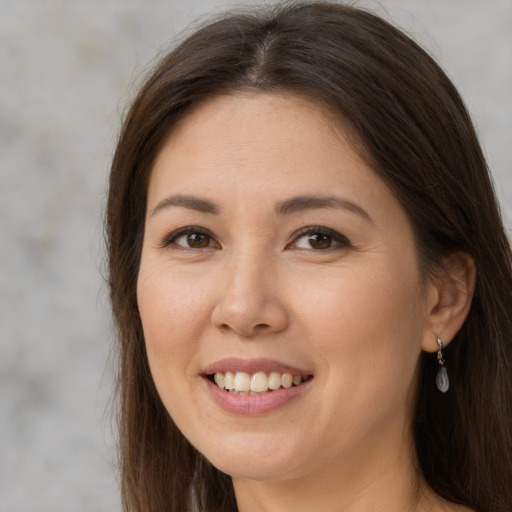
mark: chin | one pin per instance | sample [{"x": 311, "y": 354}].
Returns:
[
  {"x": 261, "y": 471},
  {"x": 253, "y": 458}
]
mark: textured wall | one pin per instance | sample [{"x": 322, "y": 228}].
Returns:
[{"x": 66, "y": 68}]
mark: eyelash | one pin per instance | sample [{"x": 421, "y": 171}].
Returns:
[
  {"x": 169, "y": 240},
  {"x": 337, "y": 240}
]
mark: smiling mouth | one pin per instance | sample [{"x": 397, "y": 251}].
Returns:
[{"x": 259, "y": 383}]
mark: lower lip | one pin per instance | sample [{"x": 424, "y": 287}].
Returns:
[{"x": 255, "y": 404}]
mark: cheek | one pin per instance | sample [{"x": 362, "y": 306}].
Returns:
[
  {"x": 367, "y": 334},
  {"x": 367, "y": 327},
  {"x": 173, "y": 321},
  {"x": 173, "y": 317}
]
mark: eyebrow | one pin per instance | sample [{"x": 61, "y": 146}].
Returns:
[
  {"x": 315, "y": 202},
  {"x": 190, "y": 202},
  {"x": 287, "y": 207}
]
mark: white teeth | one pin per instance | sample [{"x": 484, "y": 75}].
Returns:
[
  {"x": 286, "y": 380},
  {"x": 219, "y": 379},
  {"x": 274, "y": 380},
  {"x": 229, "y": 378},
  {"x": 259, "y": 382},
  {"x": 244, "y": 383}
]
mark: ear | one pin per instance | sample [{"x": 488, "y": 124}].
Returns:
[{"x": 449, "y": 299}]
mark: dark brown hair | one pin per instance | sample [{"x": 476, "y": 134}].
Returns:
[{"x": 412, "y": 126}]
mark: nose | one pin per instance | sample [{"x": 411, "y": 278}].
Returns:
[{"x": 249, "y": 299}]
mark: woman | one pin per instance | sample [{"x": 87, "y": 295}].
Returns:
[{"x": 309, "y": 276}]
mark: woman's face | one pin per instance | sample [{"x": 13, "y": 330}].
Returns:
[{"x": 272, "y": 248}]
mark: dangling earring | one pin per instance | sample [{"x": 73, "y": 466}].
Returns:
[{"x": 442, "y": 380}]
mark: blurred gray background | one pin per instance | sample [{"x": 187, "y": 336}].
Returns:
[{"x": 67, "y": 69}]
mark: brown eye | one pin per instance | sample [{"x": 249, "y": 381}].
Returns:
[
  {"x": 320, "y": 241},
  {"x": 197, "y": 240},
  {"x": 190, "y": 238}
]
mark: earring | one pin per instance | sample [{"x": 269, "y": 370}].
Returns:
[{"x": 442, "y": 380}]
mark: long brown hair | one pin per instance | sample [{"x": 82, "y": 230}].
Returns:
[{"x": 412, "y": 126}]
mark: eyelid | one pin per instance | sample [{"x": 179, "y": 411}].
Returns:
[
  {"x": 340, "y": 240},
  {"x": 170, "y": 238}
]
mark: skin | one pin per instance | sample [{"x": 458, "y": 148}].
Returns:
[{"x": 354, "y": 310}]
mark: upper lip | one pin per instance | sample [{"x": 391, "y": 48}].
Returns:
[{"x": 236, "y": 364}]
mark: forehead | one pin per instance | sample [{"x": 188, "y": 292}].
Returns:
[{"x": 261, "y": 139}]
